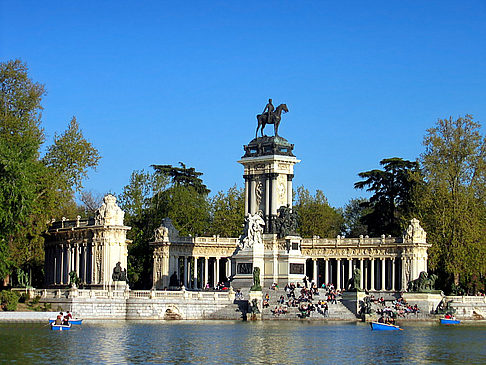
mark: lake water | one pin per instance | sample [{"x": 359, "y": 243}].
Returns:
[{"x": 269, "y": 342}]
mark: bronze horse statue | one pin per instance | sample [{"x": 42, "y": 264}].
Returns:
[{"x": 275, "y": 118}]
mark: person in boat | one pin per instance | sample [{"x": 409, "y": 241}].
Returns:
[
  {"x": 65, "y": 322},
  {"x": 58, "y": 320},
  {"x": 69, "y": 315},
  {"x": 381, "y": 320}
]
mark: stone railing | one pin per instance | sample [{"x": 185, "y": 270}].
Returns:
[
  {"x": 208, "y": 240},
  {"x": 466, "y": 299},
  {"x": 71, "y": 223},
  {"x": 343, "y": 241}
]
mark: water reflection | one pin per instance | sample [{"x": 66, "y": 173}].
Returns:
[{"x": 265, "y": 342}]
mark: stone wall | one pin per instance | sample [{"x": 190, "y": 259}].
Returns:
[{"x": 147, "y": 304}]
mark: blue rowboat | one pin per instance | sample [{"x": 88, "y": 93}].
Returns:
[
  {"x": 60, "y": 327},
  {"x": 449, "y": 321},
  {"x": 72, "y": 321},
  {"x": 375, "y": 326}
]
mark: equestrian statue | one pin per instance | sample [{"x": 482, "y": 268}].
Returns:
[{"x": 270, "y": 115}]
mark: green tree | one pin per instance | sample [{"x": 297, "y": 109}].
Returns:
[
  {"x": 228, "y": 213},
  {"x": 20, "y": 139},
  {"x": 316, "y": 216},
  {"x": 393, "y": 200},
  {"x": 71, "y": 156},
  {"x": 454, "y": 165},
  {"x": 353, "y": 214},
  {"x": 174, "y": 192},
  {"x": 32, "y": 190}
]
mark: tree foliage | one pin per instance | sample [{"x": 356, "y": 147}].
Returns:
[
  {"x": 315, "y": 216},
  {"x": 228, "y": 213},
  {"x": 353, "y": 217},
  {"x": 392, "y": 202},
  {"x": 454, "y": 165},
  {"x": 32, "y": 190}
]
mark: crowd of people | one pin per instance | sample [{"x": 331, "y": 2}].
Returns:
[
  {"x": 397, "y": 308},
  {"x": 303, "y": 297}
]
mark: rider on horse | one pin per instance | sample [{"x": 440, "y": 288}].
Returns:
[{"x": 269, "y": 110}]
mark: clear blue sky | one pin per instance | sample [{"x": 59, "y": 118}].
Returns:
[{"x": 158, "y": 82}]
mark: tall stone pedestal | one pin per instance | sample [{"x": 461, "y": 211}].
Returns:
[
  {"x": 427, "y": 302},
  {"x": 258, "y": 297}
]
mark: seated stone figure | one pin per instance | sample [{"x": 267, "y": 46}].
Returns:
[{"x": 119, "y": 274}]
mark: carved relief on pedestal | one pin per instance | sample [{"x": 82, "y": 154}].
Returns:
[
  {"x": 258, "y": 192},
  {"x": 99, "y": 266},
  {"x": 282, "y": 190}
]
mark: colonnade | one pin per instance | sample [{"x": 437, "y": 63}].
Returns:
[
  {"x": 61, "y": 259},
  {"x": 376, "y": 273},
  {"x": 195, "y": 272}
]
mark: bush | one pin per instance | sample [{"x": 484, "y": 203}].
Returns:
[
  {"x": 36, "y": 300},
  {"x": 23, "y": 298},
  {"x": 9, "y": 300}
]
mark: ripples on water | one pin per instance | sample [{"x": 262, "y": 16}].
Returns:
[{"x": 266, "y": 342}]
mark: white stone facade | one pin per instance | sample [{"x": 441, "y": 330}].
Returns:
[{"x": 89, "y": 247}]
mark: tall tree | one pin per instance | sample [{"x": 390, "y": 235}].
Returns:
[
  {"x": 228, "y": 213},
  {"x": 393, "y": 200},
  {"x": 353, "y": 214},
  {"x": 33, "y": 190},
  {"x": 316, "y": 216},
  {"x": 454, "y": 164},
  {"x": 20, "y": 139}
]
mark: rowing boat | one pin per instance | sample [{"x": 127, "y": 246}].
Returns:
[
  {"x": 449, "y": 321},
  {"x": 60, "y": 327},
  {"x": 376, "y": 326}
]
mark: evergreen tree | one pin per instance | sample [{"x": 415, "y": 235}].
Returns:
[{"x": 392, "y": 203}]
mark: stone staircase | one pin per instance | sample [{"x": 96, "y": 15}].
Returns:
[{"x": 336, "y": 311}]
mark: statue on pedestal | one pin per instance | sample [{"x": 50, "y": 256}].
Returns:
[
  {"x": 119, "y": 274},
  {"x": 425, "y": 283},
  {"x": 253, "y": 234},
  {"x": 286, "y": 221},
  {"x": 353, "y": 282},
  {"x": 256, "y": 280},
  {"x": 269, "y": 116}
]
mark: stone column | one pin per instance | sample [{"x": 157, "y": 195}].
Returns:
[
  {"x": 393, "y": 275},
  {"x": 247, "y": 195},
  {"x": 77, "y": 260},
  {"x": 383, "y": 272},
  {"x": 274, "y": 193},
  {"x": 206, "y": 271},
  {"x": 195, "y": 272},
  {"x": 267, "y": 198},
  {"x": 314, "y": 272},
  {"x": 217, "y": 270},
  {"x": 338, "y": 274},
  {"x": 326, "y": 271},
  {"x": 289, "y": 189},
  {"x": 185, "y": 271},
  {"x": 372, "y": 264},
  {"x": 228, "y": 267},
  {"x": 350, "y": 270},
  {"x": 253, "y": 207},
  {"x": 62, "y": 265},
  {"x": 361, "y": 283}
]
